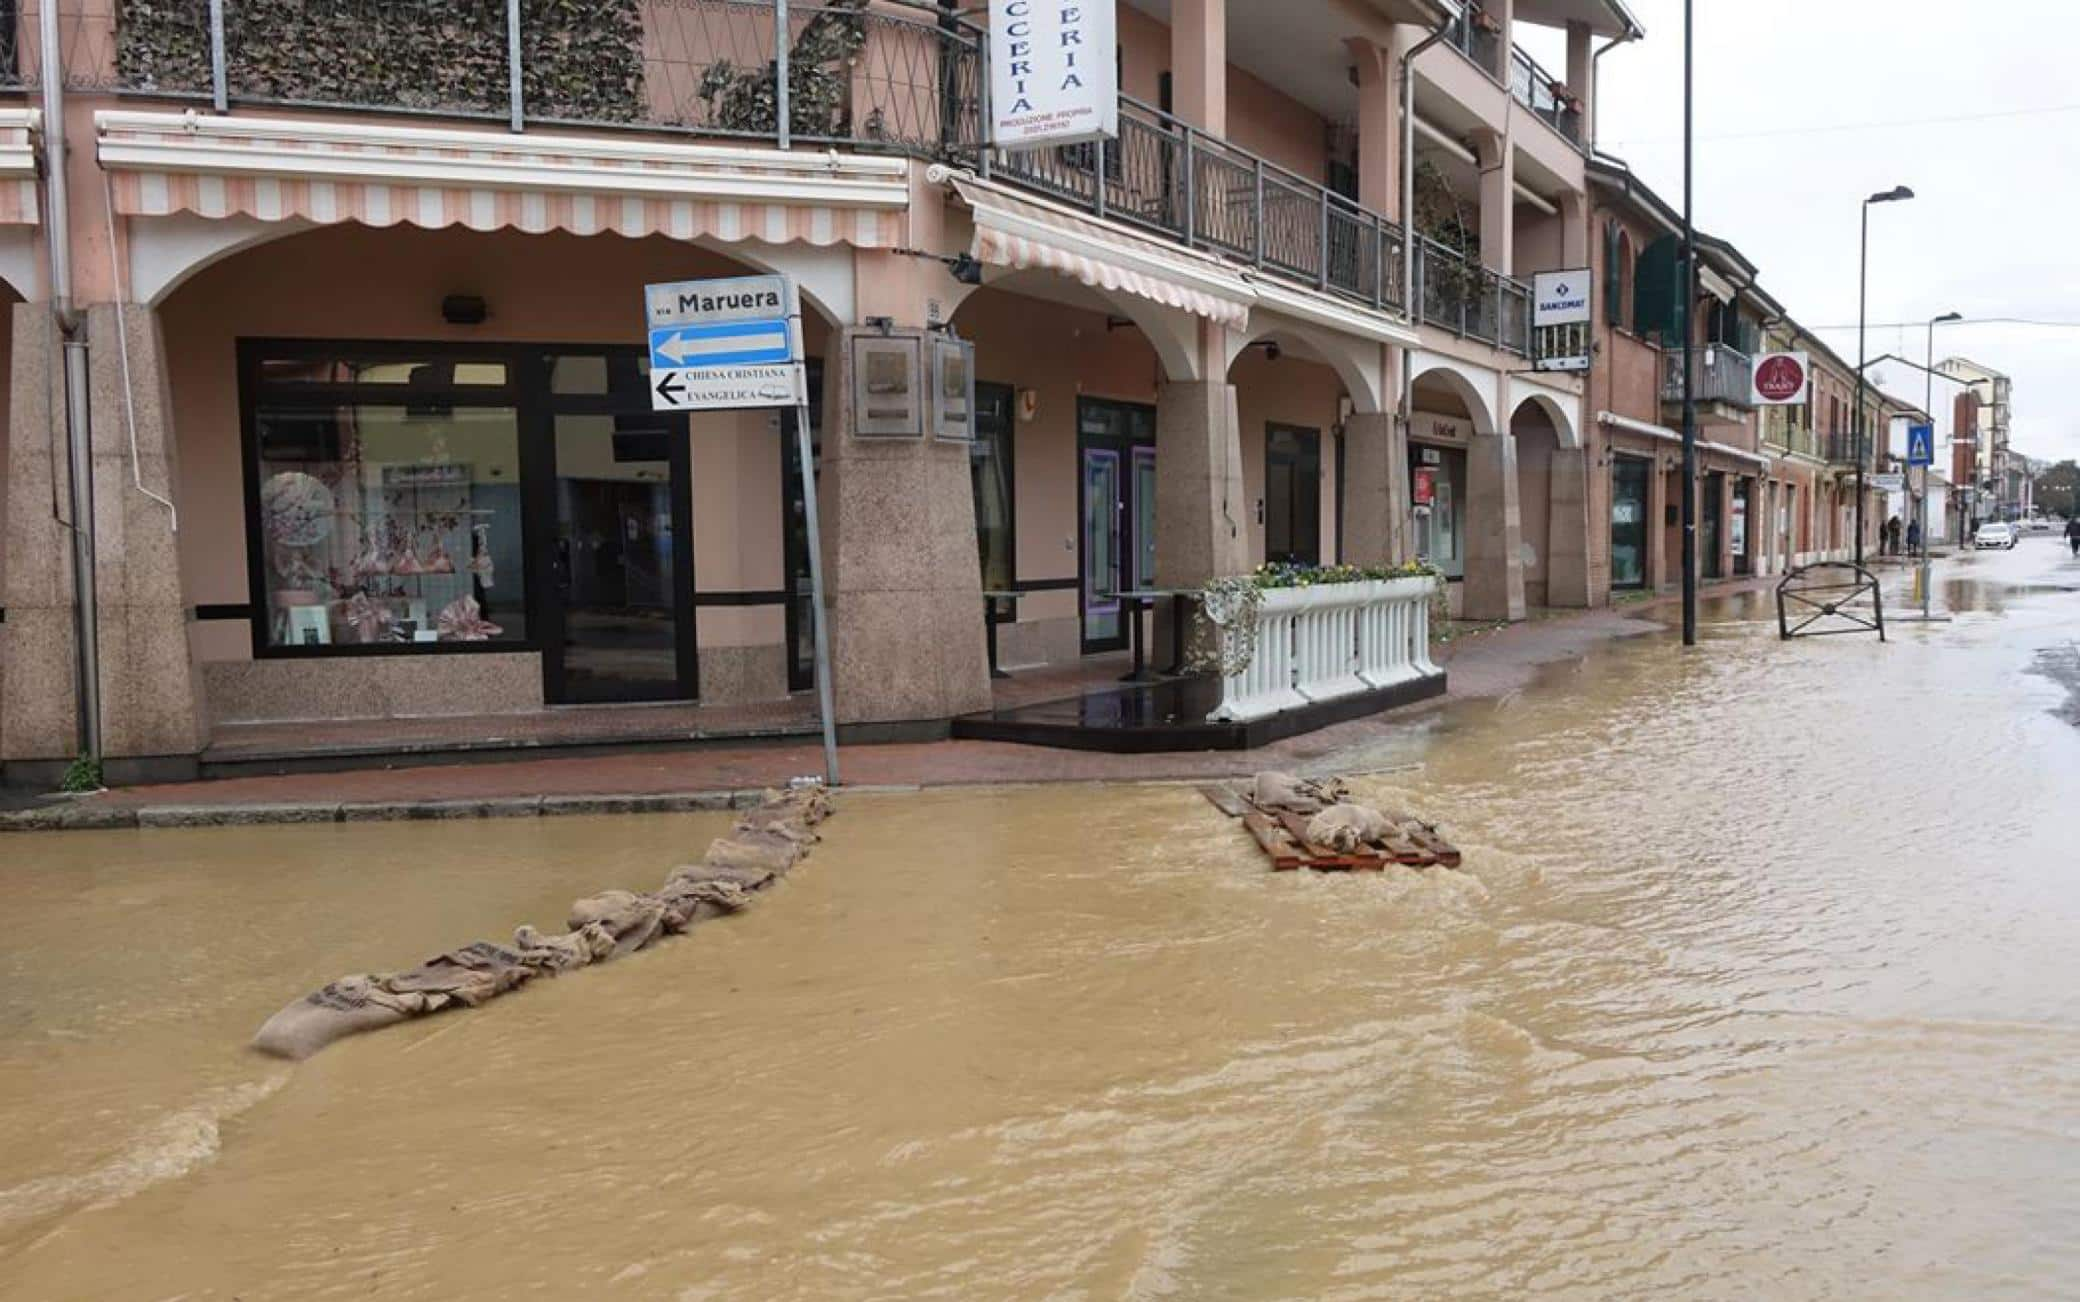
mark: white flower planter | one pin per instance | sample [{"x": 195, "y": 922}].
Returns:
[{"x": 1330, "y": 640}]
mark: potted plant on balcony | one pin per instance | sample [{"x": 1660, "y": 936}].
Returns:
[{"x": 1485, "y": 22}]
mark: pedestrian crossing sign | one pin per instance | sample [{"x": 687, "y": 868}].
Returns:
[{"x": 1921, "y": 445}]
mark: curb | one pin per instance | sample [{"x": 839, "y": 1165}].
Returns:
[{"x": 79, "y": 816}]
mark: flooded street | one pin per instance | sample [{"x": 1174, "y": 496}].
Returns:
[{"x": 1761, "y": 982}]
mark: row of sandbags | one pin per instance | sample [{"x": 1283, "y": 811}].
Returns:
[
  {"x": 762, "y": 845},
  {"x": 1334, "y": 819}
]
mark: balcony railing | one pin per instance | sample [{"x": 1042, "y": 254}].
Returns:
[
  {"x": 1466, "y": 35},
  {"x": 857, "y": 77},
  {"x": 1721, "y": 374},
  {"x": 1795, "y": 439},
  {"x": 1534, "y": 88},
  {"x": 1839, "y": 447},
  {"x": 1167, "y": 177}
]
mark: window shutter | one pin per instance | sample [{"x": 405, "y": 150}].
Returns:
[{"x": 1657, "y": 290}]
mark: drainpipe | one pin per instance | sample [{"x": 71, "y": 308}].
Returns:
[
  {"x": 1409, "y": 235},
  {"x": 1596, "y": 80},
  {"x": 72, "y": 326}
]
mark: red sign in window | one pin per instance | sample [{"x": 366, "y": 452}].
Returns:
[{"x": 1425, "y": 485}]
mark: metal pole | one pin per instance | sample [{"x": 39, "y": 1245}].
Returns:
[
  {"x": 1863, "y": 266},
  {"x": 78, "y": 441},
  {"x": 805, "y": 448},
  {"x": 516, "y": 106},
  {"x": 1928, "y": 409},
  {"x": 780, "y": 52},
  {"x": 1689, "y": 378},
  {"x": 219, "y": 90}
]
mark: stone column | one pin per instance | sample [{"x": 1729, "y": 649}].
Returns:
[
  {"x": 153, "y": 715},
  {"x": 1376, "y": 527},
  {"x": 1567, "y": 530},
  {"x": 1498, "y": 201},
  {"x": 1379, "y": 126},
  {"x": 1199, "y": 63},
  {"x": 1200, "y": 506},
  {"x": 38, "y": 700},
  {"x": 1581, "y": 76},
  {"x": 1494, "y": 587},
  {"x": 904, "y": 585}
]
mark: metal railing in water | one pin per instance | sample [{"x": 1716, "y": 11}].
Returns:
[{"x": 854, "y": 76}]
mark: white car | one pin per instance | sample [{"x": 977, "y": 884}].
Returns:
[{"x": 1994, "y": 534}]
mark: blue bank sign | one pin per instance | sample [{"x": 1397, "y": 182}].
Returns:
[{"x": 716, "y": 344}]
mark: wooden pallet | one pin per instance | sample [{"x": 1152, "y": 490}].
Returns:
[{"x": 1283, "y": 838}]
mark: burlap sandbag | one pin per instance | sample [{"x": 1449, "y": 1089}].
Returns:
[
  {"x": 1275, "y": 790},
  {"x": 748, "y": 879},
  {"x": 469, "y": 976},
  {"x": 753, "y": 849},
  {"x": 688, "y": 901},
  {"x": 1346, "y": 827},
  {"x": 635, "y": 920},
  {"x": 344, "y": 1007},
  {"x": 564, "y": 951}
]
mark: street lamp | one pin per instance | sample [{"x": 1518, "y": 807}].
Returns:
[
  {"x": 1863, "y": 270},
  {"x": 1689, "y": 508},
  {"x": 1928, "y": 409}
]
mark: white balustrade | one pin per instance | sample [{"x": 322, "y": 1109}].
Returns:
[{"x": 1329, "y": 640}]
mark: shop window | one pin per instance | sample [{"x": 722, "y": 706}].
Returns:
[
  {"x": 386, "y": 505},
  {"x": 991, "y": 472}
]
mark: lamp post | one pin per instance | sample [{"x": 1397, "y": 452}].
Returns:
[
  {"x": 1863, "y": 277},
  {"x": 1689, "y": 377},
  {"x": 1928, "y": 408}
]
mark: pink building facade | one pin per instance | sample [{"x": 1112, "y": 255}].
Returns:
[{"x": 370, "y": 431}]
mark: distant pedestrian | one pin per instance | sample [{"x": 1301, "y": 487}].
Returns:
[
  {"x": 2073, "y": 533},
  {"x": 1892, "y": 536},
  {"x": 1913, "y": 537}
]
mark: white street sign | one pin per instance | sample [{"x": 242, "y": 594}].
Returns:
[
  {"x": 727, "y": 343},
  {"x": 1560, "y": 297},
  {"x": 1052, "y": 77}
]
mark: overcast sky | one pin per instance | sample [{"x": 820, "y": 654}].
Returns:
[{"x": 1995, "y": 228}]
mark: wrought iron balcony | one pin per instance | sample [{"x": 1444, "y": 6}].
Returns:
[
  {"x": 1719, "y": 374},
  {"x": 1545, "y": 95}
]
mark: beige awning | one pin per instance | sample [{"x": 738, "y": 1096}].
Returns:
[{"x": 1020, "y": 231}]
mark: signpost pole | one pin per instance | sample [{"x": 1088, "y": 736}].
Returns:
[
  {"x": 1921, "y": 455},
  {"x": 805, "y": 447}
]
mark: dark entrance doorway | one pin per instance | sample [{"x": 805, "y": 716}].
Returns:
[
  {"x": 1292, "y": 495},
  {"x": 1116, "y": 503},
  {"x": 1629, "y": 521},
  {"x": 620, "y": 608},
  {"x": 1709, "y": 526}
]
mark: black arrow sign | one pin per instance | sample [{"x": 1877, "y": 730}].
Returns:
[{"x": 668, "y": 387}]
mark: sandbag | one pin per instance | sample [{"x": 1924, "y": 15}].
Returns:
[
  {"x": 1347, "y": 826},
  {"x": 753, "y": 849},
  {"x": 687, "y": 901},
  {"x": 336, "y": 1010},
  {"x": 563, "y": 951},
  {"x": 469, "y": 976},
  {"x": 1283, "y": 791},
  {"x": 746, "y": 879},
  {"x": 635, "y": 920}
]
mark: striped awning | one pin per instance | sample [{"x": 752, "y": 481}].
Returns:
[
  {"x": 1019, "y": 231},
  {"x": 380, "y": 175},
  {"x": 18, "y": 184}
]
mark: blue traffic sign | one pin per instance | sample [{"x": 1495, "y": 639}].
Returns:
[
  {"x": 722, "y": 343},
  {"x": 1921, "y": 445}
]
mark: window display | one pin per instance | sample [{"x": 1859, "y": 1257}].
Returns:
[{"x": 389, "y": 520}]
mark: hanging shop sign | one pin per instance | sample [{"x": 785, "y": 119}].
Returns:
[
  {"x": 1782, "y": 379},
  {"x": 1560, "y": 320},
  {"x": 719, "y": 344},
  {"x": 1052, "y": 72}
]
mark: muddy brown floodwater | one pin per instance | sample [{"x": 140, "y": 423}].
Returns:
[{"x": 1764, "y": 982}]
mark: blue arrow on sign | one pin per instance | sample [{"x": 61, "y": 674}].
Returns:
[
  {"x": 1921, "y": 445},
  {"x": 725, "y": 343}
]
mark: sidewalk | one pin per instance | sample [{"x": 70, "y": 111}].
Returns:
[{"x": 1481, "y": 663}]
